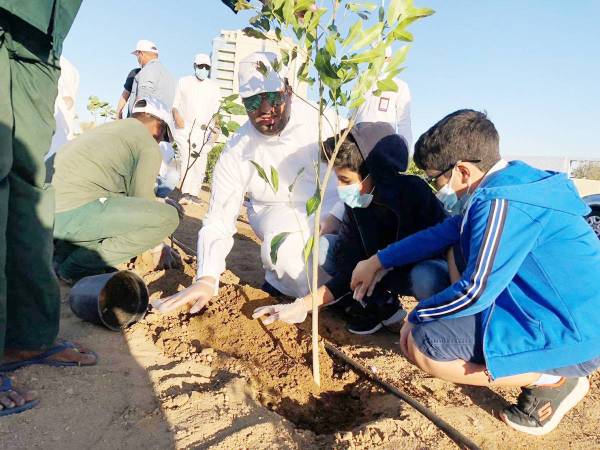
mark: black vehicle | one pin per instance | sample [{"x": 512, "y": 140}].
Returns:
[{"x": 593, "y": 218}]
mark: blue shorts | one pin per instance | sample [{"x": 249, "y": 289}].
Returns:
[{"x": 462, "y": 338}]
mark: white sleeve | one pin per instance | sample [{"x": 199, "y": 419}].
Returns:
[
  {"x": 177, "y": 100},
  {"x": 338, "y": 210},
  {"x": 403, "y": 115},
  {"x": 215, "y": 238}
]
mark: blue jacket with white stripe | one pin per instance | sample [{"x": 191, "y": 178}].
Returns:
[{"x": 533, "y": 269}]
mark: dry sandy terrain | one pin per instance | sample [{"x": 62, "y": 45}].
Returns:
[{"x": 221, "y": 380}]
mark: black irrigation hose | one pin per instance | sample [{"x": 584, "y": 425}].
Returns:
[{"x": 460, "y": 439}]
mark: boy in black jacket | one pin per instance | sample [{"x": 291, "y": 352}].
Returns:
[{"x": 382, "y": 205}]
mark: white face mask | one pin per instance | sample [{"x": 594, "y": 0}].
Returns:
[
  {"x": 201, "y": 74},
  {"x": 454, "y": 205}
]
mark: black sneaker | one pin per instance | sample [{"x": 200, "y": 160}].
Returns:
[
  {"x": 389, "y": 315},
  {"x": 540, "y": 409}
]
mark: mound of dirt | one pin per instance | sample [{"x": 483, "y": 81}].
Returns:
[{"x": 278, "y": 358}]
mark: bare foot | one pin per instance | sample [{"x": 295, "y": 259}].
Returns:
[
  {"x": 15, "y": 398},
  {"x": 80, "y": 355}
]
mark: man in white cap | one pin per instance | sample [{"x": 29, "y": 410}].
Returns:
[
  {"x": 391, "y": 107},
  {"x": 106, "y": 209},
  {"x": 197, "y": 99},
  {"x": 281, "y": 134},
  {"x": 154, "y": 80}
]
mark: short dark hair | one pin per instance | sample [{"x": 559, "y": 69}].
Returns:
[
  {"x": 348, "y": 156},
  {"x": 144, "y": 117},
  {"x": 461, "y": 136}
]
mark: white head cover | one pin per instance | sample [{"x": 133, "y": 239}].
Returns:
[
  {"x": 253, "y": 82},
  {"x": 202, "y": 58},
  {"x": 145, "y": 46},
  {"x": 156, "y": 108}
]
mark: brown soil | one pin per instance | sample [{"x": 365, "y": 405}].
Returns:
[{"x": 220, "y": 380}]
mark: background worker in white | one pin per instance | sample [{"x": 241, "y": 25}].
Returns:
[
  {"x": 197, "y": 99},
  {"x": 64, "y": 106},
  {"x": 282, "y": 133},
  {"x": 390, "y": 107}
]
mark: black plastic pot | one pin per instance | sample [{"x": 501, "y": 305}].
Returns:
[{"x": 115, "y": 300}]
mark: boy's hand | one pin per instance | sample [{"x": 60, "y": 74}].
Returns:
[
  {"x": 364, "y": 273},
  {"x": 289, "y": 313}
]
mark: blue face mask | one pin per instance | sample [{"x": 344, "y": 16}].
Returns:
[
  {"x": 201, "y": 74},
  {"x": 450, "y": 200},
  {"x": 352, "y": 197}
]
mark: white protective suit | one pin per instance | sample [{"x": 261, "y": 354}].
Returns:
[
  {"x": 64, "y": 106},
  {"x": 197, "y": 101},
  {"x": 391, "y": 107},
  {"x": 269, "y": 213}
]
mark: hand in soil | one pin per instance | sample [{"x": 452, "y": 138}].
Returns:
[
  {"x": 79, "y": 354},
  {"x": 289, "y": 313},
  {"x": 197, "y": 295},
  {"x": 15, "y": 397}
]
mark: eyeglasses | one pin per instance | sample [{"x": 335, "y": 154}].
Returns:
[
  {"x": 431, "y": 180},
  {"x": 275, "y": 99}
]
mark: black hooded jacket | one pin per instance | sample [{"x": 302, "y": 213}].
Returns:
[{"x": 402, "y": 205}]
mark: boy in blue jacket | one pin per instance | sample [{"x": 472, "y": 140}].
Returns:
[{"x": 526, "y": 309}]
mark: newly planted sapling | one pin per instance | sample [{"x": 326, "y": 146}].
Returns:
[{"x": 341, "y": 48}]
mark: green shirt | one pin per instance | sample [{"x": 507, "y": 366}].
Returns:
[
  {"x": 118, "y": 159},
  {"x": 51, "y": 17}
]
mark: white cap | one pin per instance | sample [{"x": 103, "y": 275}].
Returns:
[
  {"x": 156, "y": 108},
  {"x": 202, "y": 58},
  {"x": 145, "y": 46},
  {"x": 253, "y": 82}
]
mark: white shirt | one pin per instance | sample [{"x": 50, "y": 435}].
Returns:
[
  {"x": 234, "y": 175},
  {"x": 196, "y": 100},
  {"x": 391, "y": 107}
]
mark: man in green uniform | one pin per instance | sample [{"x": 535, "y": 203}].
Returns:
[
  {"x": 106, "y": 209},
  {"x": 31, "y": 37}
]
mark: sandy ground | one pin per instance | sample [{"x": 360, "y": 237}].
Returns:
[{"x": 221, "y": 380}]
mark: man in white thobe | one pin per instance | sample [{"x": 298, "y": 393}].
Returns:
[
  {"x": 281, "y": 133},
  {"x": 197, "y": 100},
  {"x": 390, "y": 107},
  {"x": 64, "y": 106}
]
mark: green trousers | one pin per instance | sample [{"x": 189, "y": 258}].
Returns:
[
  {"x": 109, "y": 231},
  {"x": 29, "y": 293}
]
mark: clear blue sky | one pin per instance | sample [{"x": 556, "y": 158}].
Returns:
[{"x": 533, "y": 65}]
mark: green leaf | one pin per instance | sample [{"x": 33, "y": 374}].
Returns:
[
  {"x": 355, "y": 31},
  {"x": 276, "y": 242},
  {"x": 276, "y": 65},
  {"x": 288, "y": 11},
  {"x": 262, "y": 69},
  {"x": 394, "y": 10},
  {"x": 285, "y": 57},
  {"x": 291, "y": 186},
  {"x": 225, "y": 131},
  {"x": 230, "y": 98},
  {"x": 261, "y": 172},
  {"x": 232, "y": 126},
  {"x": 253, "y": 32},
  {"x": 402, "y": 35},
  {"x": 313, "y": 203},
  {"x": 274, "y": 179},
  {"x": 308, "y": 247},
  {"x": 368, "y": 37},
  {"x": 398, "y": 58},
  {"x": 234, "y": 109},
  {"x": 278, "y": 33},
  {"x": 387, "y": 85},
  {"x": 330, "y": 45}
]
